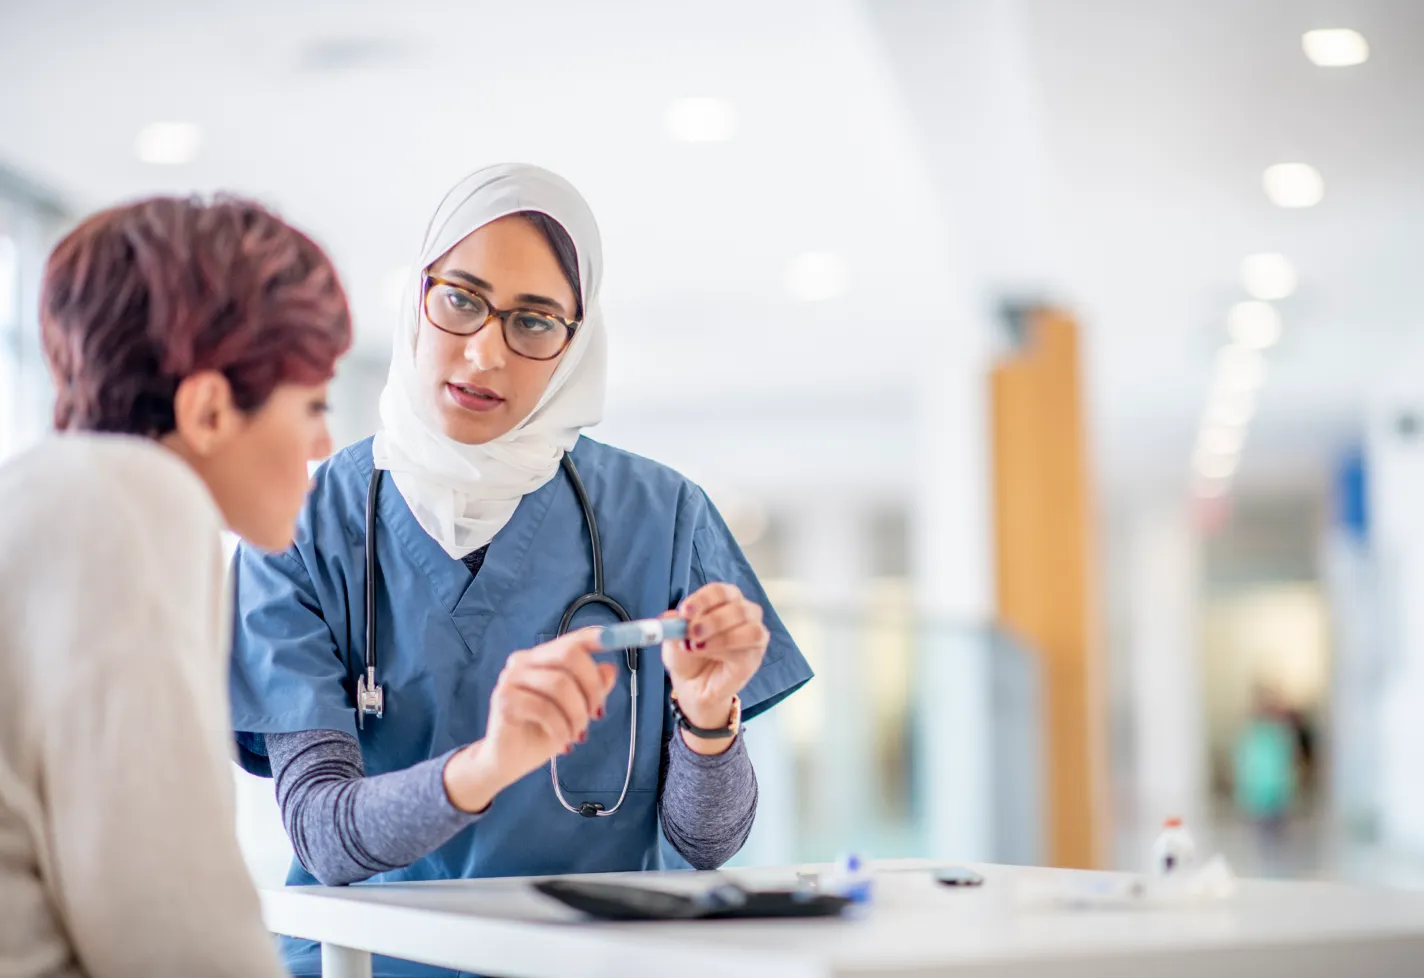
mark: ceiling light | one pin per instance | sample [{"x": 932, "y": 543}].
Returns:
[
  {"x": 1221, "y": 441},
  {"x": 1254, "y": 324},
  {"x": 1211, "y": 488},
  {"x": 1208, "y": 462},
  {"x": 701, "y": 120},
  {"x": 1268, "y": 276},
  {"x": 1335, "y": 48},
  {"x": 1239, "y": 369},
  {"x": 744, "y": 515},
  {"x": 168, "y": 143},
  {"x": 1232, "y": 409},
  {"x": 1293, "y": 185},
  {"x": 816, "y": 276},
  {"x": 1217, "y": 466}
]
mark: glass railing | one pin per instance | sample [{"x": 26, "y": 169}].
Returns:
[{"x": 916, "y": 739}]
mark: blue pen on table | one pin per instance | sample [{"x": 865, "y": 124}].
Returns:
[{"x": 641, "y": 634}]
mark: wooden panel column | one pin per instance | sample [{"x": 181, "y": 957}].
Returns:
[{"x": 1042, "y": 544}]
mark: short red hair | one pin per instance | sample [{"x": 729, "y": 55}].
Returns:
[{"x": 139, "y": 297}]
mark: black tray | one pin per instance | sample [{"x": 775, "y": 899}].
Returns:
[{"x": 725, "y": 901}]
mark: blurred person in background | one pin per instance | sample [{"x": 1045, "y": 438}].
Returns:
[
  {"x": 190, "y": 345},
  {"x": 1302, "y": 724},
  {"x": 478, "y": 480},
  {"x": 1265, "y": 764}
]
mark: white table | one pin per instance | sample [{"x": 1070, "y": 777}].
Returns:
[{"x": 915, "y": 929}]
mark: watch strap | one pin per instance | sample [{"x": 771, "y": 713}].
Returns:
[{"x": 710, "y": 733}]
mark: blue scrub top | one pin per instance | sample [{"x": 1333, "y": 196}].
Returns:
[{"x": 443, "y": 636}]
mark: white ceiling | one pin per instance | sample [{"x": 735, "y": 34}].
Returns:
[
  {"x": 1163, "y": 127},
  {"x": 1149, "y": 126},
  {"x": 1152, "y": 122},
  {"x": 361, "y": 154}
]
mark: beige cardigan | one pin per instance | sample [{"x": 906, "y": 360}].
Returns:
[{"x": 118, "y": 855}]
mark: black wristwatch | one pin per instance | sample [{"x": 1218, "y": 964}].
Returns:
[{"x": 710, "y": 733}]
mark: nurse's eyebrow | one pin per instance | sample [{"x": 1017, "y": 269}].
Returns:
[
  {"x": 474, "y": 280},
  {"x": 526, "y": 298}
]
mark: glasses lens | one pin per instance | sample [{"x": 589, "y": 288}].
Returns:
[
  {"x": 537, "y": 337},
  {"x": 455, "y": 310}
]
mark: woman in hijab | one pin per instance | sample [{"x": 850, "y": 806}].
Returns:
[{"x": 476, "y": 731}]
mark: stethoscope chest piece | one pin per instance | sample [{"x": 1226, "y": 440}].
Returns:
[{"x": 370, "y": 698}]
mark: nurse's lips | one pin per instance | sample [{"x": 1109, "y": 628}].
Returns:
[{"x": 473, "y": 398}]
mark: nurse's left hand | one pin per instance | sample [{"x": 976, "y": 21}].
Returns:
[{"x": 725, "y": 644}]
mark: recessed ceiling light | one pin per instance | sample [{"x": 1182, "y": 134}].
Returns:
[
  {"x": 816, "y": 276},
  {"x": 744, "y": 514},
  {"x": 1335, "y": 47},
  {"x": 1239, "y": 369},
  {"x": 1217, "y": 466},
  {"x": 1231, "y": 409},
  {"x": 168, "y": 143},
  {"x": 1268, "y": 276},
  {"x": 1254, "y": 324},
  {"x": 1221, "y": 441},
  {"x": 1211, "y": 488},
  {"x": 701, "y": 120},
  {"x": 1293, "y": 185},
  {"x": 751, "y": 526}
]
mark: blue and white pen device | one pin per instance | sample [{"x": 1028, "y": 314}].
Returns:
[{"x": 641, "y": 634}]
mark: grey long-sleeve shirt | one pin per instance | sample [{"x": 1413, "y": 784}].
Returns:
[{"x": 346, "y": 827}]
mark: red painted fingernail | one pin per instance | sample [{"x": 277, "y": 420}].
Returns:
[
  {"x": 700, "y": 646},
  {"x": 598, "y": 713},
  {"x": 699, "y": 630},
  {"x": 583, "y": 736}
]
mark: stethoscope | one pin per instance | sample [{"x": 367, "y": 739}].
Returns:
[{"x": 371, "y": 697}]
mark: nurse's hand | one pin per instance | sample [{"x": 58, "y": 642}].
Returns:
[
  {"x": 542, "y": 704},
  {"x": 725, "y": 644}
]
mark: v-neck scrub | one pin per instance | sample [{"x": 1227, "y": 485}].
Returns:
[{"x": 444, "y": 634}]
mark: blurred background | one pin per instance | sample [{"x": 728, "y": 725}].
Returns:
[{"x": 1058, "y": 364}]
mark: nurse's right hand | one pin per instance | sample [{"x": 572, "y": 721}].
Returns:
[{"x": 541, "y": 707}]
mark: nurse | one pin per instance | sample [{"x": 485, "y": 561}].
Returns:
[{"x": 503, "y": 747}]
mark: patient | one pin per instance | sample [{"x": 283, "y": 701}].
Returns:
[{"x": 190, "y": 344}]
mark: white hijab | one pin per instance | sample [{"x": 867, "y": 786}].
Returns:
[{"x": 464, "y": 494}]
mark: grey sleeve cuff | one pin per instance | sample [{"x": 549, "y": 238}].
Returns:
[
  {"x": 346, "y": 827},
  {"x": 708, "y": 802}
]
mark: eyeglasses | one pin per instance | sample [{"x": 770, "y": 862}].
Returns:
[{"x": 455, "y": 309}]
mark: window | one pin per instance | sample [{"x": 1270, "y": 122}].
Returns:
[
  {"x": 29, "y": 226},
  {"x": 9, "y": 353}
]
